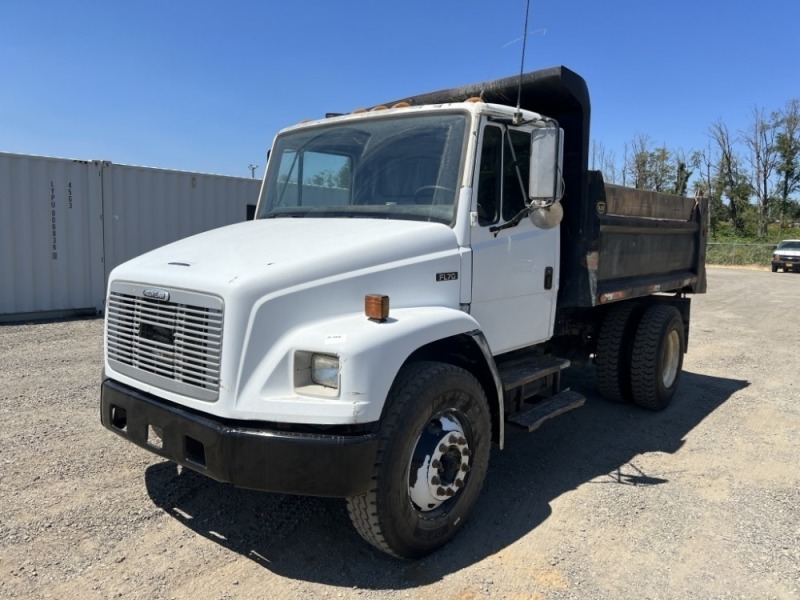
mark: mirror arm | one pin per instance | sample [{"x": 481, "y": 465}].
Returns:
[{"x": 516, "y": 220}]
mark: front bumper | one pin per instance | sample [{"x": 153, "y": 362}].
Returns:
[
  {"x": 245, "y": 456},
  {"x": 787, "y": 263}
]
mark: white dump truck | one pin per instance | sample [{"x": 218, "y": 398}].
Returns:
[{"x": 417, "y": 277}]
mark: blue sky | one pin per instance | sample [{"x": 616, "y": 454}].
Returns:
[{"x": 204, "y": 86}]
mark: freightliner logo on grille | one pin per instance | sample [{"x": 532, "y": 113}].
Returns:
[{"x": 156, "y": 294}]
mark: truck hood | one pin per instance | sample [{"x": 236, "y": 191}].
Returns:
[{"x": 280, "y": 253}]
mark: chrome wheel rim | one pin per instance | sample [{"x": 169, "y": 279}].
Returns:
[
  {"x": 439, "y": 463},
  {"x": 670, "y": 359}
]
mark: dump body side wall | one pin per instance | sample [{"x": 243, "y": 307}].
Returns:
[{"x": 638, "y": 242}]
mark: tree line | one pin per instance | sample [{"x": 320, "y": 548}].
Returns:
[{"x": 751, "y": 176}]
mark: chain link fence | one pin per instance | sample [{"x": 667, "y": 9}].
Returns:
[{"x": 738, "y": 253}]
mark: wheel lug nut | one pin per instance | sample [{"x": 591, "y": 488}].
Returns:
[
  {"x": 435, "y": 480},
  {"x": 453, "y": 439},
  {"x": 436, "y": 464},
  {"x": 459, "y": 483},
  {"x": 442, "y": 448},
  {"x": 466, "y": 452},
  {"x": 465, "y": 468},
  {"x": 462, "y": 440},
  {"x": 441, "y": 492},
  {"x": 449, "y": 492}
]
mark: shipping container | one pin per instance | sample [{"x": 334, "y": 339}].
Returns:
[{"x": 64, "y": 224}]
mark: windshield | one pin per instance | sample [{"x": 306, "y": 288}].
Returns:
[
  {"x": 398, "y": 167},
  {"x": 789, "y": 245}
]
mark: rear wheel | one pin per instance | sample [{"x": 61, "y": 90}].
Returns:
[
  {"x": 613, "y": 353},
  {"x": 432, "y": 459},
  {"x": 657, "y": 358}
]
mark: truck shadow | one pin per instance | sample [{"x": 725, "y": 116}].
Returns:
[{"x": 311, "y": 539}]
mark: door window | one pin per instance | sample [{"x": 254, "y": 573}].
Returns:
[{"x": 504, "y": 172}]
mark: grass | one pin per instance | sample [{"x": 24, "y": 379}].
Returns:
[{"x": 739, "y": 253}]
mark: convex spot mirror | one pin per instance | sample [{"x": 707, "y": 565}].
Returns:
[{"x": 546, "y": 217}]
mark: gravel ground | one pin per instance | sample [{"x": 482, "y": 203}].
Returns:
[{"x": 701, "y": 500}]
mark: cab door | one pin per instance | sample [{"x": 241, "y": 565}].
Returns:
[{"x": 514, "y": 266}]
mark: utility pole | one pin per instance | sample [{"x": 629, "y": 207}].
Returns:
[{"x": 252, "y": 170}]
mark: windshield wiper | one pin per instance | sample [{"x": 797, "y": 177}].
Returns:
[{"x": 281, "y": 215}]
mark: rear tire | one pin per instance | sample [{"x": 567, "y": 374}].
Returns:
[
  {"x": 657, "y": 357},
  {"x": 432, "y": 458},
  {"x": 613, "y": 353}
]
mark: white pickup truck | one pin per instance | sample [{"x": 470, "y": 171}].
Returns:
[{"x": 416, "y": 278}]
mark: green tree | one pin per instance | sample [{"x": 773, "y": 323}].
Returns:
[
  {"x": 731, "y": 178},
  {"x": 685, "y": 167},
  {"x": 344, "y": 176},
  {"x": 661, "y": 170},
  {"x": 601, "y": 159},
  {"x": 759, "y": 138},
  {"x": 787, "y": 142},
  {"x": 330, "y": 179},
  {"x": 637, "y": 161}
]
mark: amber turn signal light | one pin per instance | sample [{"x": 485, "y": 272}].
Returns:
[{"x": 376, "y": 307}]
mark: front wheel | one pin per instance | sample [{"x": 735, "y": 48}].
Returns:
[{"x": 432, "y": 459}]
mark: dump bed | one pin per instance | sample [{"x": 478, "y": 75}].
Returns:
[
  {"x": 643, "y": 242},
  {"x": 616, "y": 242}
]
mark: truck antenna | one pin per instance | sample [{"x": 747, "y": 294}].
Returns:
[{"x": 518, "y": 115}]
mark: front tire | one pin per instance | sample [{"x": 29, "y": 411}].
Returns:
[
  {"x": 432, "y": 459},
  {"x": 657, "y": 358}
]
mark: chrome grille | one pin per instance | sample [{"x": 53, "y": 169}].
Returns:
[{"x": 174, "y": 343}]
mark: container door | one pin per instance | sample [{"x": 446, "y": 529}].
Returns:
[
  {"x": 50, "y": 236},
  {"x": 514, "y": 269}
]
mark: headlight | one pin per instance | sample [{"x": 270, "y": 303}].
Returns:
[{"x": 325, "y": 370}]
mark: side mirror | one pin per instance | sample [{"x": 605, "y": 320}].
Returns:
[
  {"x": 547, "y": 159},
  {"x": 545, "y": 186}
]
